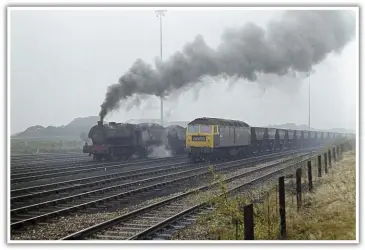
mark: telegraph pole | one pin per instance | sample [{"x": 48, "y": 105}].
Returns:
[{"x": 160, "y": 14}]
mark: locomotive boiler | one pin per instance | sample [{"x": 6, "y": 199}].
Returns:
[
  {"x": 116, "y": 140},
  {"x": 175, "y": 139}
]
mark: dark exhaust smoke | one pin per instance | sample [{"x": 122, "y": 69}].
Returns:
[{"x": 296, "y": 42}]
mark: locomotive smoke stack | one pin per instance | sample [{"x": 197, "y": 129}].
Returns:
[
  {"x": 296, "y": 42},
  {"x": 100, "y": 123}
]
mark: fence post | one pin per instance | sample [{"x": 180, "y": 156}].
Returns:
[
  {"x": 334, "y": 154},
  {"x": 299, "y": 187},
  {"x": 329, "y": 158},
  {"x": 325, "y": 163},
  {"x": 310, "y": 182},
  {"x": 236, "y": 223},
  {"x": 338, "y": 152},
  {"x": 248, "y": 223},
  {"x": 282, "y": 207},
  {"x": 319, "y": 166},
  {"x": 342, "y": 148}
]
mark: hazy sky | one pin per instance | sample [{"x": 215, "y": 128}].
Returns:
[{"x": 63, "y": 60}]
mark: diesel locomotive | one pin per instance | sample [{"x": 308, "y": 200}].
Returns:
[{"x": 214, "y": 138}]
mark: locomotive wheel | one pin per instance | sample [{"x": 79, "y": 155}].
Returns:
[{"x": 98, "y": 157}]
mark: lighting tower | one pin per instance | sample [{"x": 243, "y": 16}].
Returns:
[{"x": 160, "y": 14}]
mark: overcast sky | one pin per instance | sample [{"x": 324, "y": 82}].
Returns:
[{"x": 62, "y": 62}]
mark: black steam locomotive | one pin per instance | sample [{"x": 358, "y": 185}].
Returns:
[
  {"x": 176, "y": 139},
  {"x": 123, "y": 140}
]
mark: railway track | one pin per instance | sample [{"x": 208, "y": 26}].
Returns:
[
  {"x": 31, "y": 166},
  {"x": 44, "y": 155},
  {"x": 29, "y": 196},
  {"x": 74, "y": 170},
  {"x": 148, "y": 220},
  {"x": 19, "y": 172},
  {"x": 47, "y": 165},
  {"x": 118, "y": 195},
  {"x": 39, "y": 159},
  {"x": 57, "y": 160}
]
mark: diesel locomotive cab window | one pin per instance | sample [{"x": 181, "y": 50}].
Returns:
[
  {"x": 193, "y": 129},
  {"x": 215, "y": 130},
  {"x": 205, "y": 129}
]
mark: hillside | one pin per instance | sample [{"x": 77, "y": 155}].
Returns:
[
  {"x": 76, "y": 127},
  {"x": 73, "y": 129},
  {"x": 83, "y": 122},
  {"x": 83, "y": 125}
]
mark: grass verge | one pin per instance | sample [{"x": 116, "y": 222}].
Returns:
[{"x": 328, "y": 213}]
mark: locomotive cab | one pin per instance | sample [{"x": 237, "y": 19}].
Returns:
[{"x": 200, "y": 140}]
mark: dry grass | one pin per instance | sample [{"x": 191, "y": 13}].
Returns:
[{"x": 329, "y": 213}]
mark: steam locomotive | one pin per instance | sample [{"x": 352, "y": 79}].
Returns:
[
  {"x": 176, "y": 137},
  {"x": 214, "y": 138},
  {"x": 123, "y": 140}
]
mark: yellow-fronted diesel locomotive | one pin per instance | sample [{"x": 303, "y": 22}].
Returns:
[{"x": 212, "y": 138}]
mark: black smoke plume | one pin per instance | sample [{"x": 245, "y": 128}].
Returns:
[{"x": 297, "y": 41}]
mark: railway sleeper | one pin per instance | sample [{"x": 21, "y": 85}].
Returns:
[
  {"x": 109, "y": 237},
  {"x": 86, "y": 200},
  {"x": 191, "y": 219},
  {"x": 17, "y": 204},
  {"x": 139, "y": 225},
  {"x": 114, "y": 232},
  {"x": 34, "y": 213},
  {"x": 16, "y": 219},
  {"x": 154, "y": 215},
  {"x": 149, "y": 219},
  {"x": 62, "y": 206},
  {"x": 165, "y": 236},
  {"x": 118, "y": 202},
  {"x": 92, "y": 210},
  {"x": 178, "y": 227},
  {"x": 103, "y": 207},
  {"x": 174, "y": 206},
  {"x": 129, "y": 229},
  {"x": 23, "y": 216},
  {"x": 186, "y": 222}
]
